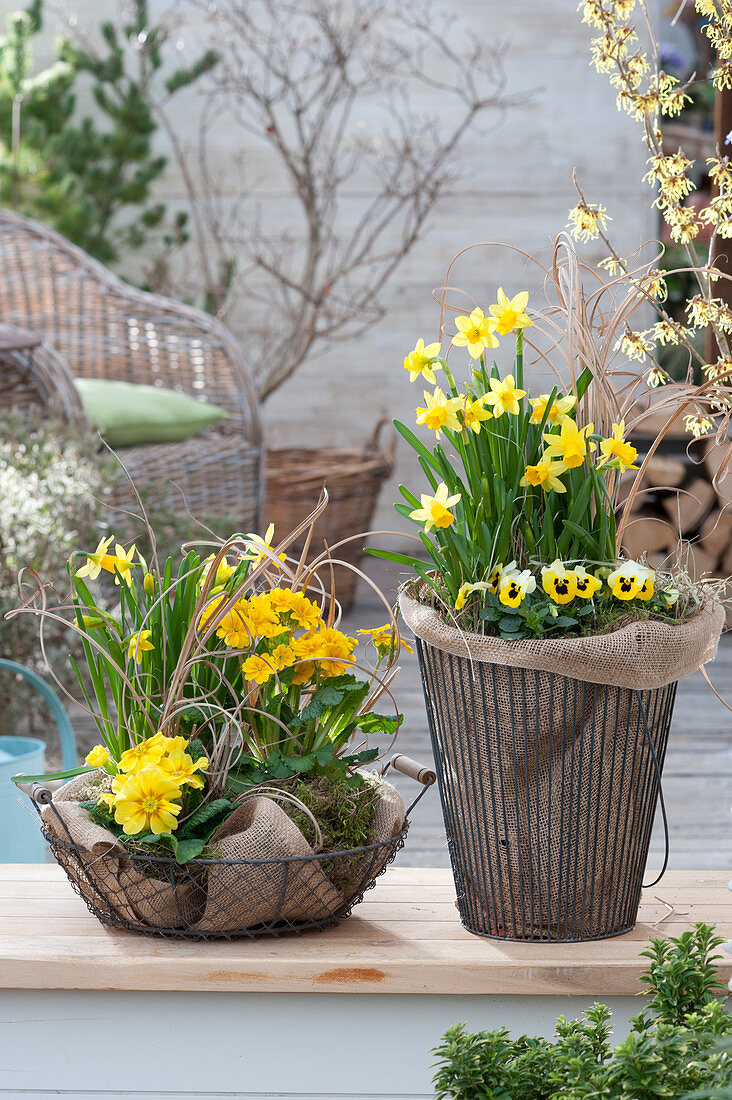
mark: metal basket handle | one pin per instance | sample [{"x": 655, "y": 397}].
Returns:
[{"x": 411, "y": 768}]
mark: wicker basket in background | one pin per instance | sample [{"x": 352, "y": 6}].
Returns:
[{"x": 294, "y": 480}]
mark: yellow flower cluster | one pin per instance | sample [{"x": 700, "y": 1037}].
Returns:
[
  {"x": 384, "y": 640},
  {"x": 567, "y": 446},
  {"x": 120, "y": 563},
  {"x": 586, "y": 222},
  {"x": 150, "y": 783},
  {"x": 271, "y": 622}
]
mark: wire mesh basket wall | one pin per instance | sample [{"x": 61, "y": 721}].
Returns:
[
  {"x": 549, "y": 787},
  {"x": 223, "y": 898}
]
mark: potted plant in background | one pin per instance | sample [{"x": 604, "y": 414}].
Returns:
[
  {"x": 549, "y": 663},
  {"x": 227, "y": 794}
]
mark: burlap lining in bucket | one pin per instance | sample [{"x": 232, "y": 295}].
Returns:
[
  {"x": 213, "y": 898},
  {"x": 642, "y": 655}
]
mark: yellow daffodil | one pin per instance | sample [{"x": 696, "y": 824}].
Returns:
[
  {"x": 559, "y": 582},
  {"x": 258, "y": 547},
  {"x": 616, "y": 452},
  {"x": 259, "y": 669},
  {"x": 545, "y": 474},
  {"x": 440, "y": 412},
  {"x": 421, "y": 361},
  {"x": 475, "y": 333},
  {"x": 503, "y": 396},
  {"x": 147, "y": 803},
  {"x": 586, "y": 583},
  {"x": 515, "y": 586},
  {"x": 474, "y": 413},
  {"x": 435, "y": 511},
  {"x": 142, "y": 755},
  {"x": 120, "y": 563},
  {"x": 93, "y": 566},
  {"x": 629, "y": 579},
  {"x": 560, "y": 409},
  {"x": 384, "y": 639},
  {"x": 182, "y": 769},
  {"x": 138, "y": 644},
  {"x": 570, "y": 446},
  {"x": 97, "y": 757},
  {"x": 148, "y": 584},
  {"x": 224, "y": 571},
  {"x": 509, "y": 312}
]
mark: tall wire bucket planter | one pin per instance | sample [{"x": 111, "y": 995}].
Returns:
[{"x": 549, "y": 782}]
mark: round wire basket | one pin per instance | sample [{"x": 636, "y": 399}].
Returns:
[{"x": 224, "y": 898}]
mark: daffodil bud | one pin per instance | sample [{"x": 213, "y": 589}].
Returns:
[
  {"x": 148, "y": 584},
  {"x": 91, "y": 622}
]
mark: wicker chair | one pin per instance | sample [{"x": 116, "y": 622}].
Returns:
[{"x": 101, "y": 327}]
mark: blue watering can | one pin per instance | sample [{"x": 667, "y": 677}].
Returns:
[{"x": 20, "y": 837}]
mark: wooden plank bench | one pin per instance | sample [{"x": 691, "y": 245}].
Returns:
[{"x": 91, "y": 1011}]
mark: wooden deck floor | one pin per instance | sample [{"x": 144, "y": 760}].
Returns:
[{"x": 697, "y": 773}]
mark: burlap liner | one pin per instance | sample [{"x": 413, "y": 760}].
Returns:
[
  {"x": 548, "y": 781},
  {"x": 215, "y": 898},
  {"x": 641, "y": 655}
]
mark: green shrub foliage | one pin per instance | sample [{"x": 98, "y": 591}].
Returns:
[{"x": 679, "y": 1047}]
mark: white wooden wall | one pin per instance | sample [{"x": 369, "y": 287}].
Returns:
[{"x": 516, "y": 187}]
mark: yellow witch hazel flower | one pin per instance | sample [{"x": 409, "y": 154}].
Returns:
[
  {"x": 435, "y": 511},
  {"x": 585, "y": 222},
  {"x": 514, "y": 586},
  {"x": 475, "y": 333},
  {"x": 422, "y": 361},
  {"x": 545, "y": 474},
  {"x": 616, "y": 452},
  {"x": 509, "y": 312},
  {"x": 559, "y": 582},
  {"x": 147, "y": 803},
  {"x": 440, "y": 412},
  {"x": 560, "y": 409},
  {"x": 570, "y": 446},
  {"x": 503, "y": 396}
]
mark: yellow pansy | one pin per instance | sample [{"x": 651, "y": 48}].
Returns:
[
  {"x": 93, "y": 566},
  {"x": 670, "y": 597},
  {"x": 495, "y": 578},
  {"x": 138, "y": 644},
  {"x": 97, "y": 757},
  {"x": 503, "y": 396},
  {"x": 509, "y": 312},
  {"x": 474, "y": 413},
  {"x": 259, "y": 669},
  {"x": 384, "y": 639},
  {"x": 586, "y": 583},
  {"x": 478, "y": 586},
  {"x": 629, "y": 579},
  {"x": 570, "y": 446},
  {"x": 515, "y": 586},
  {"x": 545, "y": 474},
  {"x": 420, "y": 361},
  {"x": 258, "y": 547},
  {"x": 143, "y": 754},
  {"x": 616, "y": 452},
  {"x": 560, "y": 408},
  {"x": 559, "y": 582},
  {"x": 435, "y": 511},
  {"x": 182, "y": 769},
  {"x": 147, "y": 803},
  {"x": 475, "y": 333},
  {"x": 439, "y": 412}
]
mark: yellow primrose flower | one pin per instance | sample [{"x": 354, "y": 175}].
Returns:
[
  {"x": 304, "y": 612},
  {"x": 586, "y": 583},
  {"x": 509, "y": 312},
  {"x": 439, "y": 412},
  {"x": 304, "y": 671},
  {"x": 235, "y": 627},
  {"x": 93, "y": 566},
  {"x": 172, "y": 744},
  {"x": 474, "y": 413},
  {"x": 97, "y": 757},
  {"x": 259, "y": 669},
  {"x": 264, "y": 621},
  {"x": 559, "y": 582},
  {"x": 561, "y": 407},
  {"x": 435, "y": 511},
  {"x": 181, "y": 768},
  {"x": 616, "y": 451},
  {"x": 420, "y": 361},
  {"x": 258, "y": 547},
  {"x": 571, "y": 445},
  {"x": 475, "y": 333},
  {"x": 334, "y": 650},
  {"x": 515, "y": 586},
  {"x": 503, "y": 396},
  {"x": 384, "y": 639},
  {"x": 142, "y": 755},
  {"x": 282, "y": 657},
  {"x": 147, "y": 803},
  {"x": 545, "y": 474},
  {"x": 139, "y": 643},
  {"x": 106, "y": 799}
]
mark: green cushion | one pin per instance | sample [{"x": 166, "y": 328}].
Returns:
[{"x": 126, "y": 413}]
